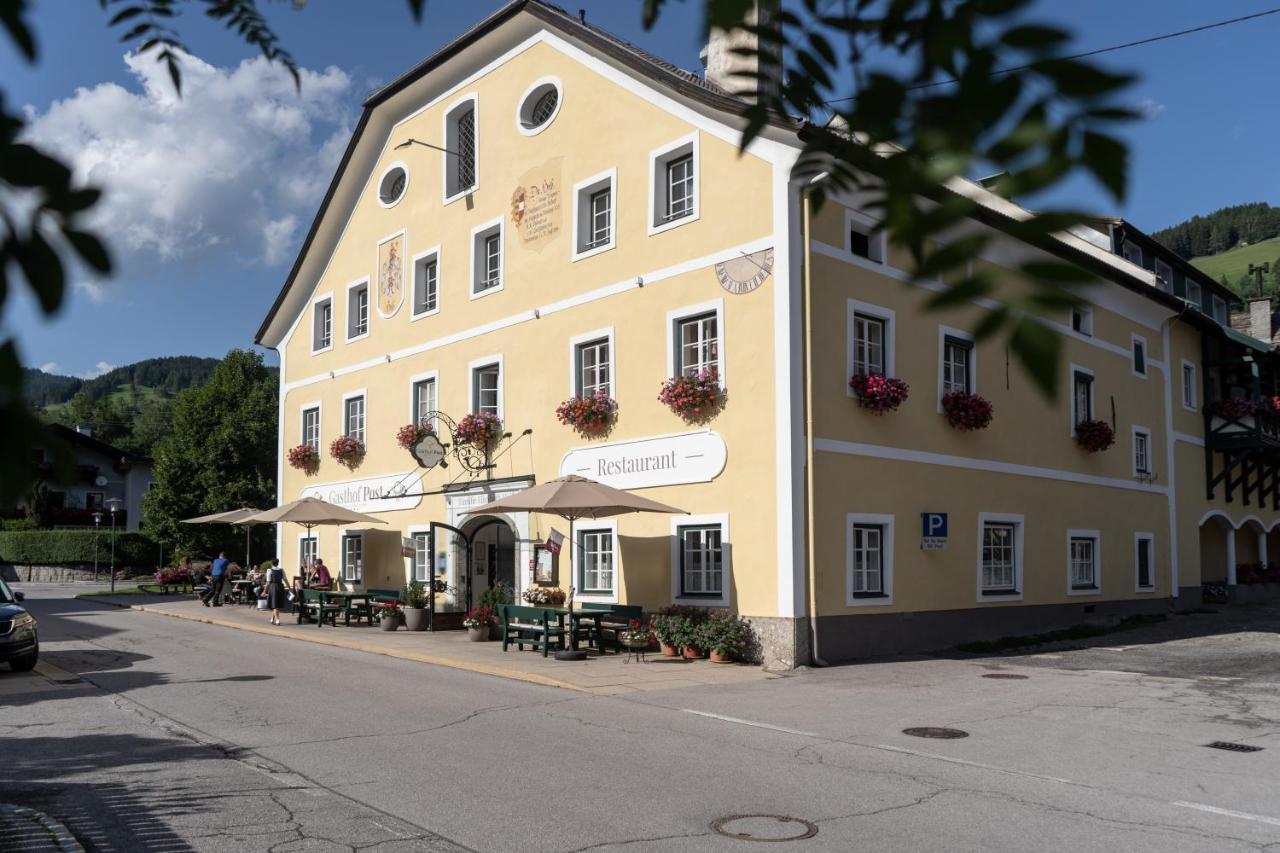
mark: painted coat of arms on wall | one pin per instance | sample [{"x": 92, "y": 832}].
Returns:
[
  {"x": 390, "y": 278},
  {"x": 536, "y": 205}
]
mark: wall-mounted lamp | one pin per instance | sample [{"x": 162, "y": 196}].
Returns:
[
  {"x": 388, "y": 358},
  {"x": 537, "y": 315},
  {"x": 639, "y": 281},
  {"x": 412, "y": 141}
]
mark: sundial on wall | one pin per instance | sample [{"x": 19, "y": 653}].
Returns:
[{"x": 745, "y": 273}]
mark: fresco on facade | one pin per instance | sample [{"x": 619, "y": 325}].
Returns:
[{"x": 391, "y": 253}]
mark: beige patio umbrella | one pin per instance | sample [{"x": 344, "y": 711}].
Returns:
[
  {"x": 232, "y": 516},
  {"x": 313, "y": 512}
]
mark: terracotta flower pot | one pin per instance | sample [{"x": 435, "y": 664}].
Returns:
[
  {"x": 669, "y": 651},
  {"x": 716, "y": 657},
  {"x": 693, "y": 653}
]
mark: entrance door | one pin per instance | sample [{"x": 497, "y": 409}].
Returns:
[{"x": 493, "y": 557}]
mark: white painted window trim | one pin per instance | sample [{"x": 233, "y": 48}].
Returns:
[
  {"x": 886, "y": 557},
  {"x": 658, "y": 158},
  {"x": 889, "y": 316},
  {"x": 483, "y": 229},
  {"x": 351, "y": 395},
  {"x": 408, "y": 561},
  {"x": 582, "y": 192},
  {"x": 1186, "y": 297},
  {"x": 474, "y": 365},
  {"x": 1072, "y": 370},
  {"x": 377, "y": 187},
  {"x": 1157, "y": 266},
  {"x": 297, "y": 552},
  {"x": 434, "y": 376},
  {"x": 1146, "y": 356},
  {"x": 587, "y": 526},
  {"x": 1086, "y": 321},
  {"x": 528, "y": 93},
  {"x": 944, "y": 332},
  {"x": 1019, "y": 534},
  {"x": 413, "y": 282},
  {"x": 342, "y": 557},
  {"x": 1133, "y": 451},
  {"x": 346, "y": 327},
  {"x": 586, "y": 338},
  {"x": 1124, "y": 252},
  {"x": 1096, "y": 536},
  {"x": 1138, "y": 538},
  {"x": 726, "y": 557},
  {"x": 302, "y": 423},
  {"x": 877, "y": 244},
  {"x": 1194, "y": 404},
  {"x": 333, "y": 312},
  {"x": 474, "y": 100},
  {"x": 677, "y": 314}
]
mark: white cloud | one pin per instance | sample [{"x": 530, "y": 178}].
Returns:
[
  {"x": 97, "y": 370},
  {"x": 51, "y": 367},
  {"x": 95, "y": 290},
  {"x": 227, "y": 168},
  {"x": 1149, "y": 108}
]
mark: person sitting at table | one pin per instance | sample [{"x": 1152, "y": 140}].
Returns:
[
  {"x": 321, "y": 579},
  {"x": 257, "y": 581}
]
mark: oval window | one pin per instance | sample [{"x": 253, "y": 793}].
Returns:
[
  {"x": 392, "y": 186},
  {"x": 539, "y": 106}
]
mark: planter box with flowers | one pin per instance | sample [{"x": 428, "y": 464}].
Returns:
[
  {"x": 347, "y": 449},
  {"x": 477, "y": 623},
  {"x": 637, "y": 636},
  {"x": 173, "y": 578},
  {"x": 410, "y": 434},
  {"x": 1095, "y": 436},
  {"x": 544, "y": 596},
  {"x": 879, "y": 394},
  {"x": 304, "y": 457},
  {"x": 967, "y": 412},
  {"x": 591, "y": 414},
  {"x": 695, "y": 397},
  {"x": 479, "y": 429}
]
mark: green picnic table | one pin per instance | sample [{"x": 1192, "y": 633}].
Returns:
[{"x": 352, "y": 603}]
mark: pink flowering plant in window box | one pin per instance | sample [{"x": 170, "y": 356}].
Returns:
[
  {"x": 410, "y": 434},
  {"x": 879, "y": 394},
  {"x": 304, "y": 457},
  {"x": 1235, "y": 408},
  {"x": 1095, "y": 436},
  {"x": 589, "y": 414},
  {"x": 694, "y": 397},
  {"x": 478, "y": 429},
  {"x": 967, "y": 412},
  {"x": 347, "y": 449}
]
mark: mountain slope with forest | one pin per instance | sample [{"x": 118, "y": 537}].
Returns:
[
  {"x": 1225, "y": 242},
  {"x": 152, "y": 377}
]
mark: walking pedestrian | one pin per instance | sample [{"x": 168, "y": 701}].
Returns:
[
  {"x": 217, "y": 578},
  {"x": 275, "y": 590}
]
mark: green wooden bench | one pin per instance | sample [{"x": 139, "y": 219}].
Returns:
[
  {"x": 313, "y": 606},
  {"x": 538, "y": 628},
  {"x": 622, "y": 613},
  {"x": 381, "y": 596}
]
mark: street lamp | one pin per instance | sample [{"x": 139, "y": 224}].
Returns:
[
  {"x": 113, "y": 504},
  {"x": 97, "y": 520}
]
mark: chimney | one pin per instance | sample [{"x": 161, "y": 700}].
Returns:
[
  {"x": 84, "y": 430},
  {"x": 1260, "y": 318},
  {"x": 720, "y": 64}
]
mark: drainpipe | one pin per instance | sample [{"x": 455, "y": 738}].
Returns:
[
  {"x": 815, "y": 654},
  {"x": 1231, "y": 556}
]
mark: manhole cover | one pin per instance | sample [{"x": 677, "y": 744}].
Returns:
[
  {"x": 1233, "y": 747},
  {"x": 1008, "y": 676},
  {"x": 764, "y": 827},
  {"x": 935, "y": 732}
]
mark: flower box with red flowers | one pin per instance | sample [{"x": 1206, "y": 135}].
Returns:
[
  {"x": 693, "y": 396},
  {"x": 478, "y": 617},
  {"x": 347, "y": 449},
  {"x": 304, "y": 457},
  {"x": 1235, "y": 408},
  {"x": 637, "y": 635},
  {"x": 478, "y": 429},
  {"x": 588, "y": 414},
  {"x": 879, "y": 394},
  {"x": 967, "y": 412},
  {"x": 1095, "y": 436},
  {"x": 410, "y": 434}
]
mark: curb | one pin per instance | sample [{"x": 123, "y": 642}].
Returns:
[
  {"x": 60, "y": 836},
  {"x": 420, "y": 657}
]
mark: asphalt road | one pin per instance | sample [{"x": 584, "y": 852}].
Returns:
[{"x": 182, "y": 736}]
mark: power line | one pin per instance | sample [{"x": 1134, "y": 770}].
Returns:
[{"x": 1101, "y": 50}]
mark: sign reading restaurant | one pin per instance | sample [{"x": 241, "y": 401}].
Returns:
[
  {"x": 669, "y": 460},
  {"x": 372, "y": 494}
]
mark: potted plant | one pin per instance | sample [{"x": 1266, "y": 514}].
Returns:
[
  {"x": 967, "y": 412},
  {"x": 691, "y": 633},
  {"x": 477, "y": 623},
  {"x": 1235, "y": 408},
  {"x": 347, "y": 449},
  {"x": 544, "y": 596},
  {"x": 1095, "y": 436},
  {"x": 478, "y": 429},
  {"x": 879, "y": 394},
  {"x": 415, "y": 606},
  {"x": 636, "y": 635},
  {"x": 491, "y": 599},
  {"x": 726, "y": 636},
  {"x": 304, "y": 457},
  {"x": 694, "y": 397},
  {"x": 410, "y": 434},
  {"x": 389, "y": 615},
  {"x": 667, "y": 627},
  {"x": 589, "y": 414}
]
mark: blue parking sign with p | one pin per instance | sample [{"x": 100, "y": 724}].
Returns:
[{"x": 933, "y": 531}]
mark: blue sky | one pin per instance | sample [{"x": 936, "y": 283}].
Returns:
[{"x": 211, "y": 196}]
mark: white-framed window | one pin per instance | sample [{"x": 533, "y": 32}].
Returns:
[
  {"x": 353, "y": 557},
  {"x": 1141, "y": 452},
  {"x": 868, "y": 559},
  {"x": 539, "y": 106},
  {"x": 701, "y": 560},
  {"x": 426, "y": 282},
  {"x": 357, "y": 310},
  {"x": 957, "y": 368},
  {"x": 1164, "y": 276},
  {"x": 861, "y": 237},
  {"x": 423, "y": 398},
  {"x": 1220, "y": 310},
  {"x": 1084, "y": 562},
  {"x": 308, "y": 549},
  {"x": 486, "y": 385},
  {"x": 1144, "y": 562},
  {"x": 420, "y": 562},
  {"x": 1194, "y": 294},
  {"x": 322, "y": 325},
  {"x": 486, "y": 258},
  {"x": 597, "y": 566},
  {"x": 1190, "y": 388},
  {"x": 593, "y": 367},
  {"x": 595, "y": 214},
  {"x": 999, "y": 557},
  {"x": 673, "y": 185},
  {"x": 870, "y": 330},
  {"x": 461, "y": 139},
  {"x": 393, "y": 184},
  {"x": 311, "y": 425},
  {"x": 1081, "y": 396},
  {"x": 696, "y": 338},
  {"x": 353, "y": 416},
  {"x": 1082, "y": 320},
  {"x": 1132, "y": 252},
  {"x": 1139, "y": 347}
]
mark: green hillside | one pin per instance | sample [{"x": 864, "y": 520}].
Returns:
[{"x": 1234, "y": 264}]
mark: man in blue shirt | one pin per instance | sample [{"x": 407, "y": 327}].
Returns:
[{"x": 217, "y": 578}]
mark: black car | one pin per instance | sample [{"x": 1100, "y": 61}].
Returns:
[{"x": 18, "y": 643}]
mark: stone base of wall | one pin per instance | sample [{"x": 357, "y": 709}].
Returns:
[
  {"x": 51, "y": 574},
  {"x": 1254, "y": 593},
  {"x": 781, "y": 642}
]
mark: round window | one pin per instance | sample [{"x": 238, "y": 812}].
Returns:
[
  {"x": 539, "y": 106},
  {"x": 392, "y": 186}
]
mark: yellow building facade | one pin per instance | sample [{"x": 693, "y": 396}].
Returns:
[{"x": 540, "y": 211}]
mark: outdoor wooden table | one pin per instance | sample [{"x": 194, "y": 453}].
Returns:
[
  {"x": 576, "y": 617},
  {"x": 352, "y": 602},
  {"x": 242, "y": 591}
]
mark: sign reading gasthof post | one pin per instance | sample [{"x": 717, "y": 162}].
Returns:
[
  {"x": 933, "y": 531},
  {"x": 371, "y": 494},
  {"x": 667, "y": 460}
]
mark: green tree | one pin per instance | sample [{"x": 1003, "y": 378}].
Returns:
[
  {"x": 219, "y": 454},
  {"x": 149, "y": 426}
]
